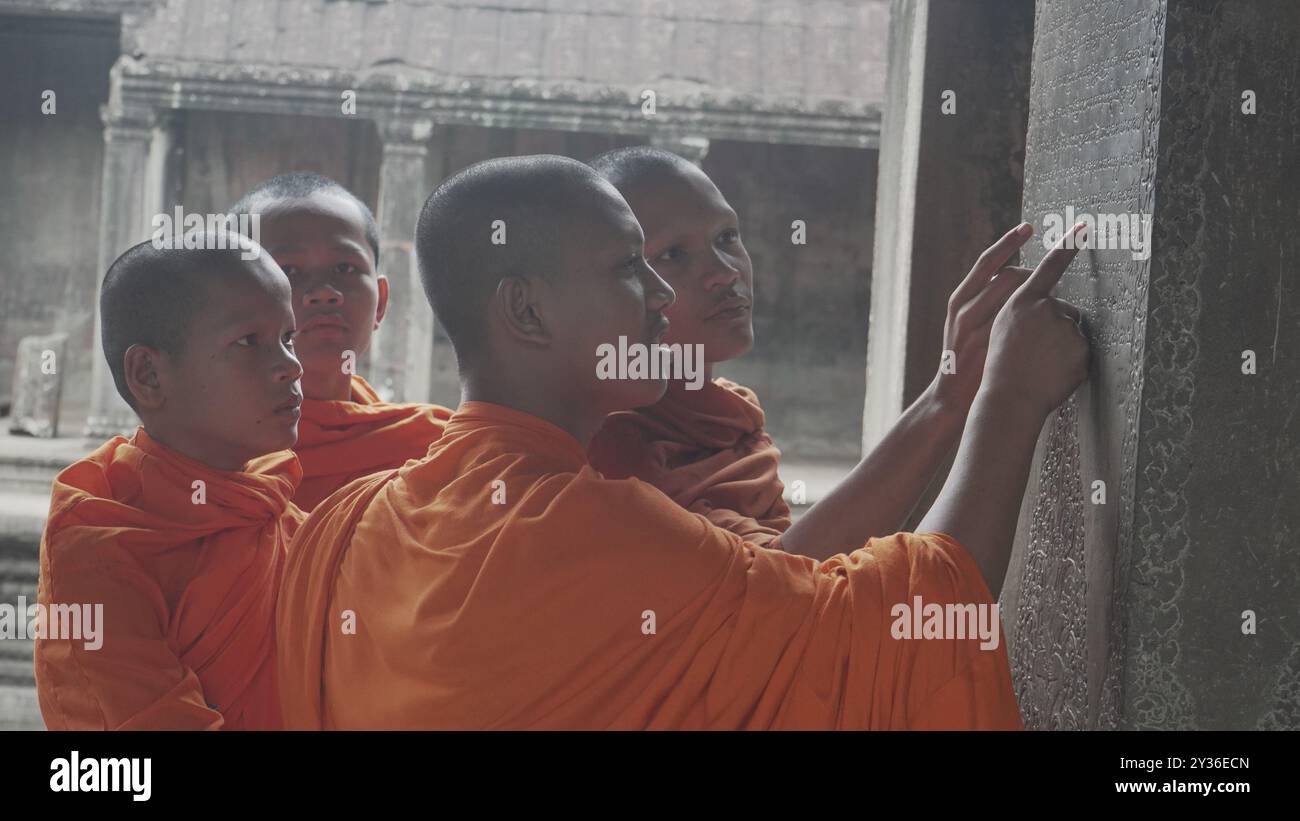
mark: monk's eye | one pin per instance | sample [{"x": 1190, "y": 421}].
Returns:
[
  {"x": 345, "y": 268},
  {"x": 671, "y": 255},
  {"x": 632, "y": 264},
  {"x": 289, "y": 270},
  {"x": 289, "y": 337},
  {"x": 247, "y": 341},
  {"x": 729, "y": 236}
]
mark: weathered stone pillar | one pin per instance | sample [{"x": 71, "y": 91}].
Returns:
[
  {"x": 692, "y": 148},
  {"x": 136, "y": 147},
  {"x": 949, "y": 184},
  {"x": 403, "y": 345},
  {"x": 1156, "y": 572}
]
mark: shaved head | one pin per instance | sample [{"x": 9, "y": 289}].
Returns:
[
  {"x": 629, "y": 168},
  {"x": 296, "y": 186},
  {"x": 152, "y": 296},
  {"x": 508, "y": 217}
]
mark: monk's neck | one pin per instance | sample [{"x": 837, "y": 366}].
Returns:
[
  {"x": 327, "y": 385},
  {"x": 199, "y": 448}
]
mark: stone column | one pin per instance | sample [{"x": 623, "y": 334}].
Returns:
[
  {"x": 136, "y": 148},
  {"x": 951, "y": 147},
  {"x": 403, "y": 345},
  {"x": 692, "y": 148},
  {"x": 1156, "y": 572}
]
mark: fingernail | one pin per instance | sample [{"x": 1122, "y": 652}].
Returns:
[{"x": 1025, "y": 229}]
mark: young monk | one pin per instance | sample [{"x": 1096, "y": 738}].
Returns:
[
  {"x": 707, "y": 449},
  {"x": 502, "y": 582},
  {"x": 172, "y": 542},
  {"x": 325, "y": 240}
]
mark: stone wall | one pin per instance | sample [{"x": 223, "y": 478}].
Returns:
[
  {"x": 49, "y": 203},
  {"x": 830, "y": 49},
  {"x": 1132, "y": 613}
]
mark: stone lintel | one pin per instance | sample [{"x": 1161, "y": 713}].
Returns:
[{"x": 497, "y": 104}]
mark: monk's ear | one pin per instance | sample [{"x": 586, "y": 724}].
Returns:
[
  {"x": 141, "y": 366},
  {"x": 520, "y": 311},
  {"x": 381, "y": 306}
]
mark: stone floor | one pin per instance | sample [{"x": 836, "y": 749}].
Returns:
[{"x": 27, "y": 467}]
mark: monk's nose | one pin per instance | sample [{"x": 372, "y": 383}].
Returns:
[
  {"x": 722, "y": 273},
  {"x": 659, "y": 294},
  {"x": 288, "y": 369},
  {"x": 322, "y": 294}
]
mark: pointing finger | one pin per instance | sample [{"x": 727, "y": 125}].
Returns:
[
  {"x": 1049, "y": 271},
  {"x": 990, "y": 261}
]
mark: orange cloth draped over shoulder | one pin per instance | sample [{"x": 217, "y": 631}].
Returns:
[
  {"x": 339, "y": 441},
  {"x": 707, "y": 451},
  {"x": 502, "y": 583},
  {"x": 187, "y": 576}
]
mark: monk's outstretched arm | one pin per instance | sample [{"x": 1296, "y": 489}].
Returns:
[
  {"x": 876, "y": 498},
  {"x": 1038, "y": 355},
  {"x": 980, "y": 501}
]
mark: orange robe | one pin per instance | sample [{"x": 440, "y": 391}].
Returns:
[
  {"x": 187, "y": 590},
  {"x": 707, "y": 451},
  {"x": 502, "y": 583},
  {"x": 340, "y": 441}
]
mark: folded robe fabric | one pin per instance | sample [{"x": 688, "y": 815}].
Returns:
[
  {"x": 339, "y": 441},
  {"x": 707, "y": 451},
  {"x": 187, "y": 576},
  {"x": 503, "y": 583}
]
